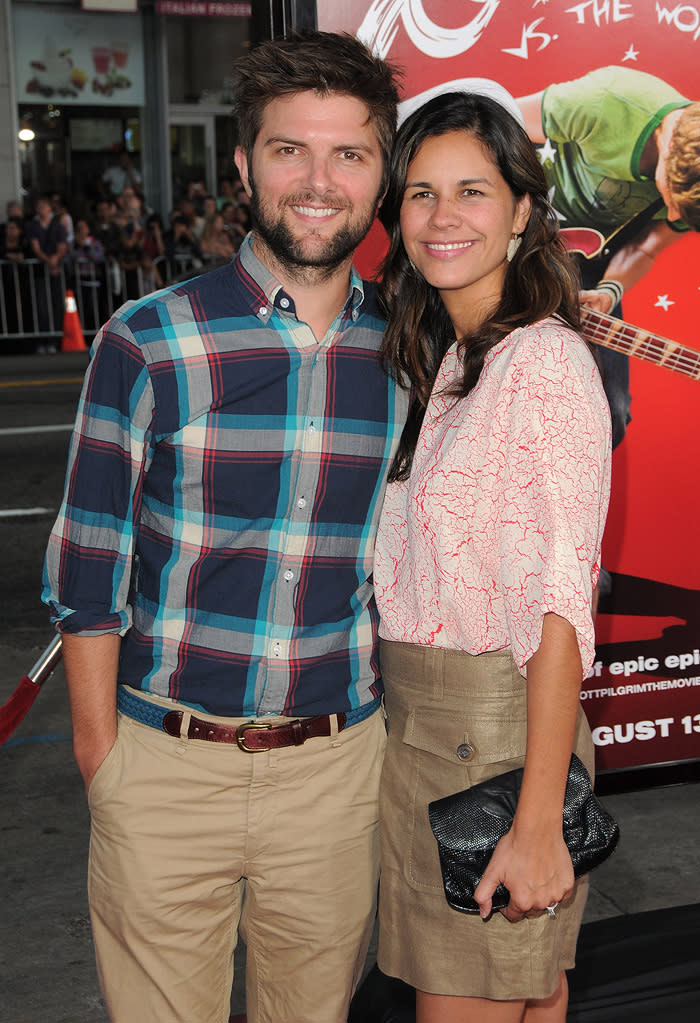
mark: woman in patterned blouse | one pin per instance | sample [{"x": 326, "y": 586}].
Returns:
[{"x": 487, "y": 557}]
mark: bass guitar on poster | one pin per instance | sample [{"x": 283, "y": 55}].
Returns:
[{"x": 610, "y": 332}]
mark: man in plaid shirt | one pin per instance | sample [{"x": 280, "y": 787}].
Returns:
[{"x": 210, "y": 571}]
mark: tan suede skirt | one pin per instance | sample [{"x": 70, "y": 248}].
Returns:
[{"x": 455, "y": 720}]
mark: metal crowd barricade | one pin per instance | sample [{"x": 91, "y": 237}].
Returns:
[{"x": 32, "y": 300}]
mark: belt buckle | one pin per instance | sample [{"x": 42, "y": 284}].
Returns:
[{"x": 240, "y": 736}]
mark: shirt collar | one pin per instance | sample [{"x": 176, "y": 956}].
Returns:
[{"x": 273, "y": 292}]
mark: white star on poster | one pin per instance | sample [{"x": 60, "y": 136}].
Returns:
[
  {"x": 663, "y": 302},
  {"x": 547, "y": 152},
  {"x": 538, "y": 2},
  {"x": 631, "y": 54}
]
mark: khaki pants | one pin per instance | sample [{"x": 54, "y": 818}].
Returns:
[{"x": 191, "y": 839}]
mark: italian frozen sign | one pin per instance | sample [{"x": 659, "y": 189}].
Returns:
[{"x": 593, "y": 81}]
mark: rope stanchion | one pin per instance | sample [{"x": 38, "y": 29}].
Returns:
[{"x": 14, "y": 710}]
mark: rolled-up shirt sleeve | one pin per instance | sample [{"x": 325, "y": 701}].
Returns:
[{"x": 90, "y": 556}]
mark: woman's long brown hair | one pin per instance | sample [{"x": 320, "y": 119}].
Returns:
[{"x": 540, "y": 281}]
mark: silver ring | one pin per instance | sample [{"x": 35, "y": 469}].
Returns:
[{"x": 550, "y": 909}]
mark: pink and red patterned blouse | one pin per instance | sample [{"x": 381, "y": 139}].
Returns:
[{"x": 502, "y": 518}]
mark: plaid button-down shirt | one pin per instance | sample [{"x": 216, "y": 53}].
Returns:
[{"x": 224, "y": 483}]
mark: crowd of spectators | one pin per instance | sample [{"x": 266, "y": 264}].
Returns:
[{"x": 122, "y": 250}]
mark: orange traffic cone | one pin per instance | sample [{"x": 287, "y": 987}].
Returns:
[{"x": 73, "y": 340}]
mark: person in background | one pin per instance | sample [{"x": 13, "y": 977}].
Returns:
[
  {"x": 232, "y": 225},
  {"x": 210, "y": 207},
  {"x": 130, "y": 211},
  {"x": 487, "y": 555},
  {"x": 60, "y": 211},
  {"x": 195, "y": 223},
  {"x": 87, "y": 256},
  {"x": 182, "y": 249},
  {"x": 107, "y": 230},
  {"x": 16, "y": 290},
  {"x": 47, "y": 240},
  {"x": 129, "y": 255},
  {"x": 14, "y": 211},
  {"x": 15, "y": 245},
  {"x": 153, "y": 263},
  {"x": 120, "y": 175},
  {"x": 241, "y": 196},
  {"x": 139, "y": 272},
  {"x": 225, "y": 192},
  {"x": 216, "y": 243},
  {"x": 210, "y": 571},
  {"x": 153, "y": 244},
  {"x": 242, "y": 217},
  {"x": 86, "y": 248},
  {"x": 196, "y": 190}
]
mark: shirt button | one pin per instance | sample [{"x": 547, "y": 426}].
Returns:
[
  {"x": 263, "y": 310},
  {"x": 276, "y": 649},
  {"x": 312, "y": 428},
  {"x": 465, "y": 751},
  {"x": 301, "y": 503},
  {"x": 289, "y": 576},
  {"x": 284, "y": 302}
]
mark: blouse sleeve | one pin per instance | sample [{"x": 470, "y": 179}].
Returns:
[{"x": 556, "y": 489}]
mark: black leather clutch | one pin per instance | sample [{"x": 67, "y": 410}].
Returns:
[{"x": 467, "y": 826}]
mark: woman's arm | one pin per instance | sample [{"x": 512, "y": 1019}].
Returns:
[
  {"x": 532, "y": 859},
  {"x": 555, "y": 497}
]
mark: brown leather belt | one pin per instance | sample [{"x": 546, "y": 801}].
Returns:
[
  {"x": 254, "y": 736},
  {"x": 250, "y": 736}
]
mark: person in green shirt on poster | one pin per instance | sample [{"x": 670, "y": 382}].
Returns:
[{"x": 626, "y": 165}]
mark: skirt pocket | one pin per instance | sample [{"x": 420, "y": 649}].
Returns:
[{"x": 443, "y": 750}]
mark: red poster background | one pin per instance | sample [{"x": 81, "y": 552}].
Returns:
[{"x": 642, "y": 698}]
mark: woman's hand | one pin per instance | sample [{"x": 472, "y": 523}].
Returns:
[
  {"x": 532, "y": 860},
  {"x": 536, "y": 869}
]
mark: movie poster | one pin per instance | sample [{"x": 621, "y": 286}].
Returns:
[{"x": 643, "y": 694}]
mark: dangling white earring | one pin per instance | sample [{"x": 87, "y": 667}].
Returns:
[{"x": 513, "y": 246}]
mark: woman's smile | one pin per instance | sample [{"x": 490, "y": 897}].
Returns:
[{"x": 457, "y": 217}]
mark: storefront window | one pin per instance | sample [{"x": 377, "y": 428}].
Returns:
[
  {"x": 72, "y": 148},
  {"x": 80, "y": 82},
  {"x": 201, "y": 52}
]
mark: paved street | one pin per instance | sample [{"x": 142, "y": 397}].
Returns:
[
  {"x": 38, "y": 400},
  {"x": 44, "y": 817},
  {"x": 46, "y": 968}
]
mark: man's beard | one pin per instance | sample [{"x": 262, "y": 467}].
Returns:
[{"x": 290, "y": 251}]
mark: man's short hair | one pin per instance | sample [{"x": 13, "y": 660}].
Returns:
[
  {"x": 320, "y": 62},
  {"x": 683, "y": 165}
]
